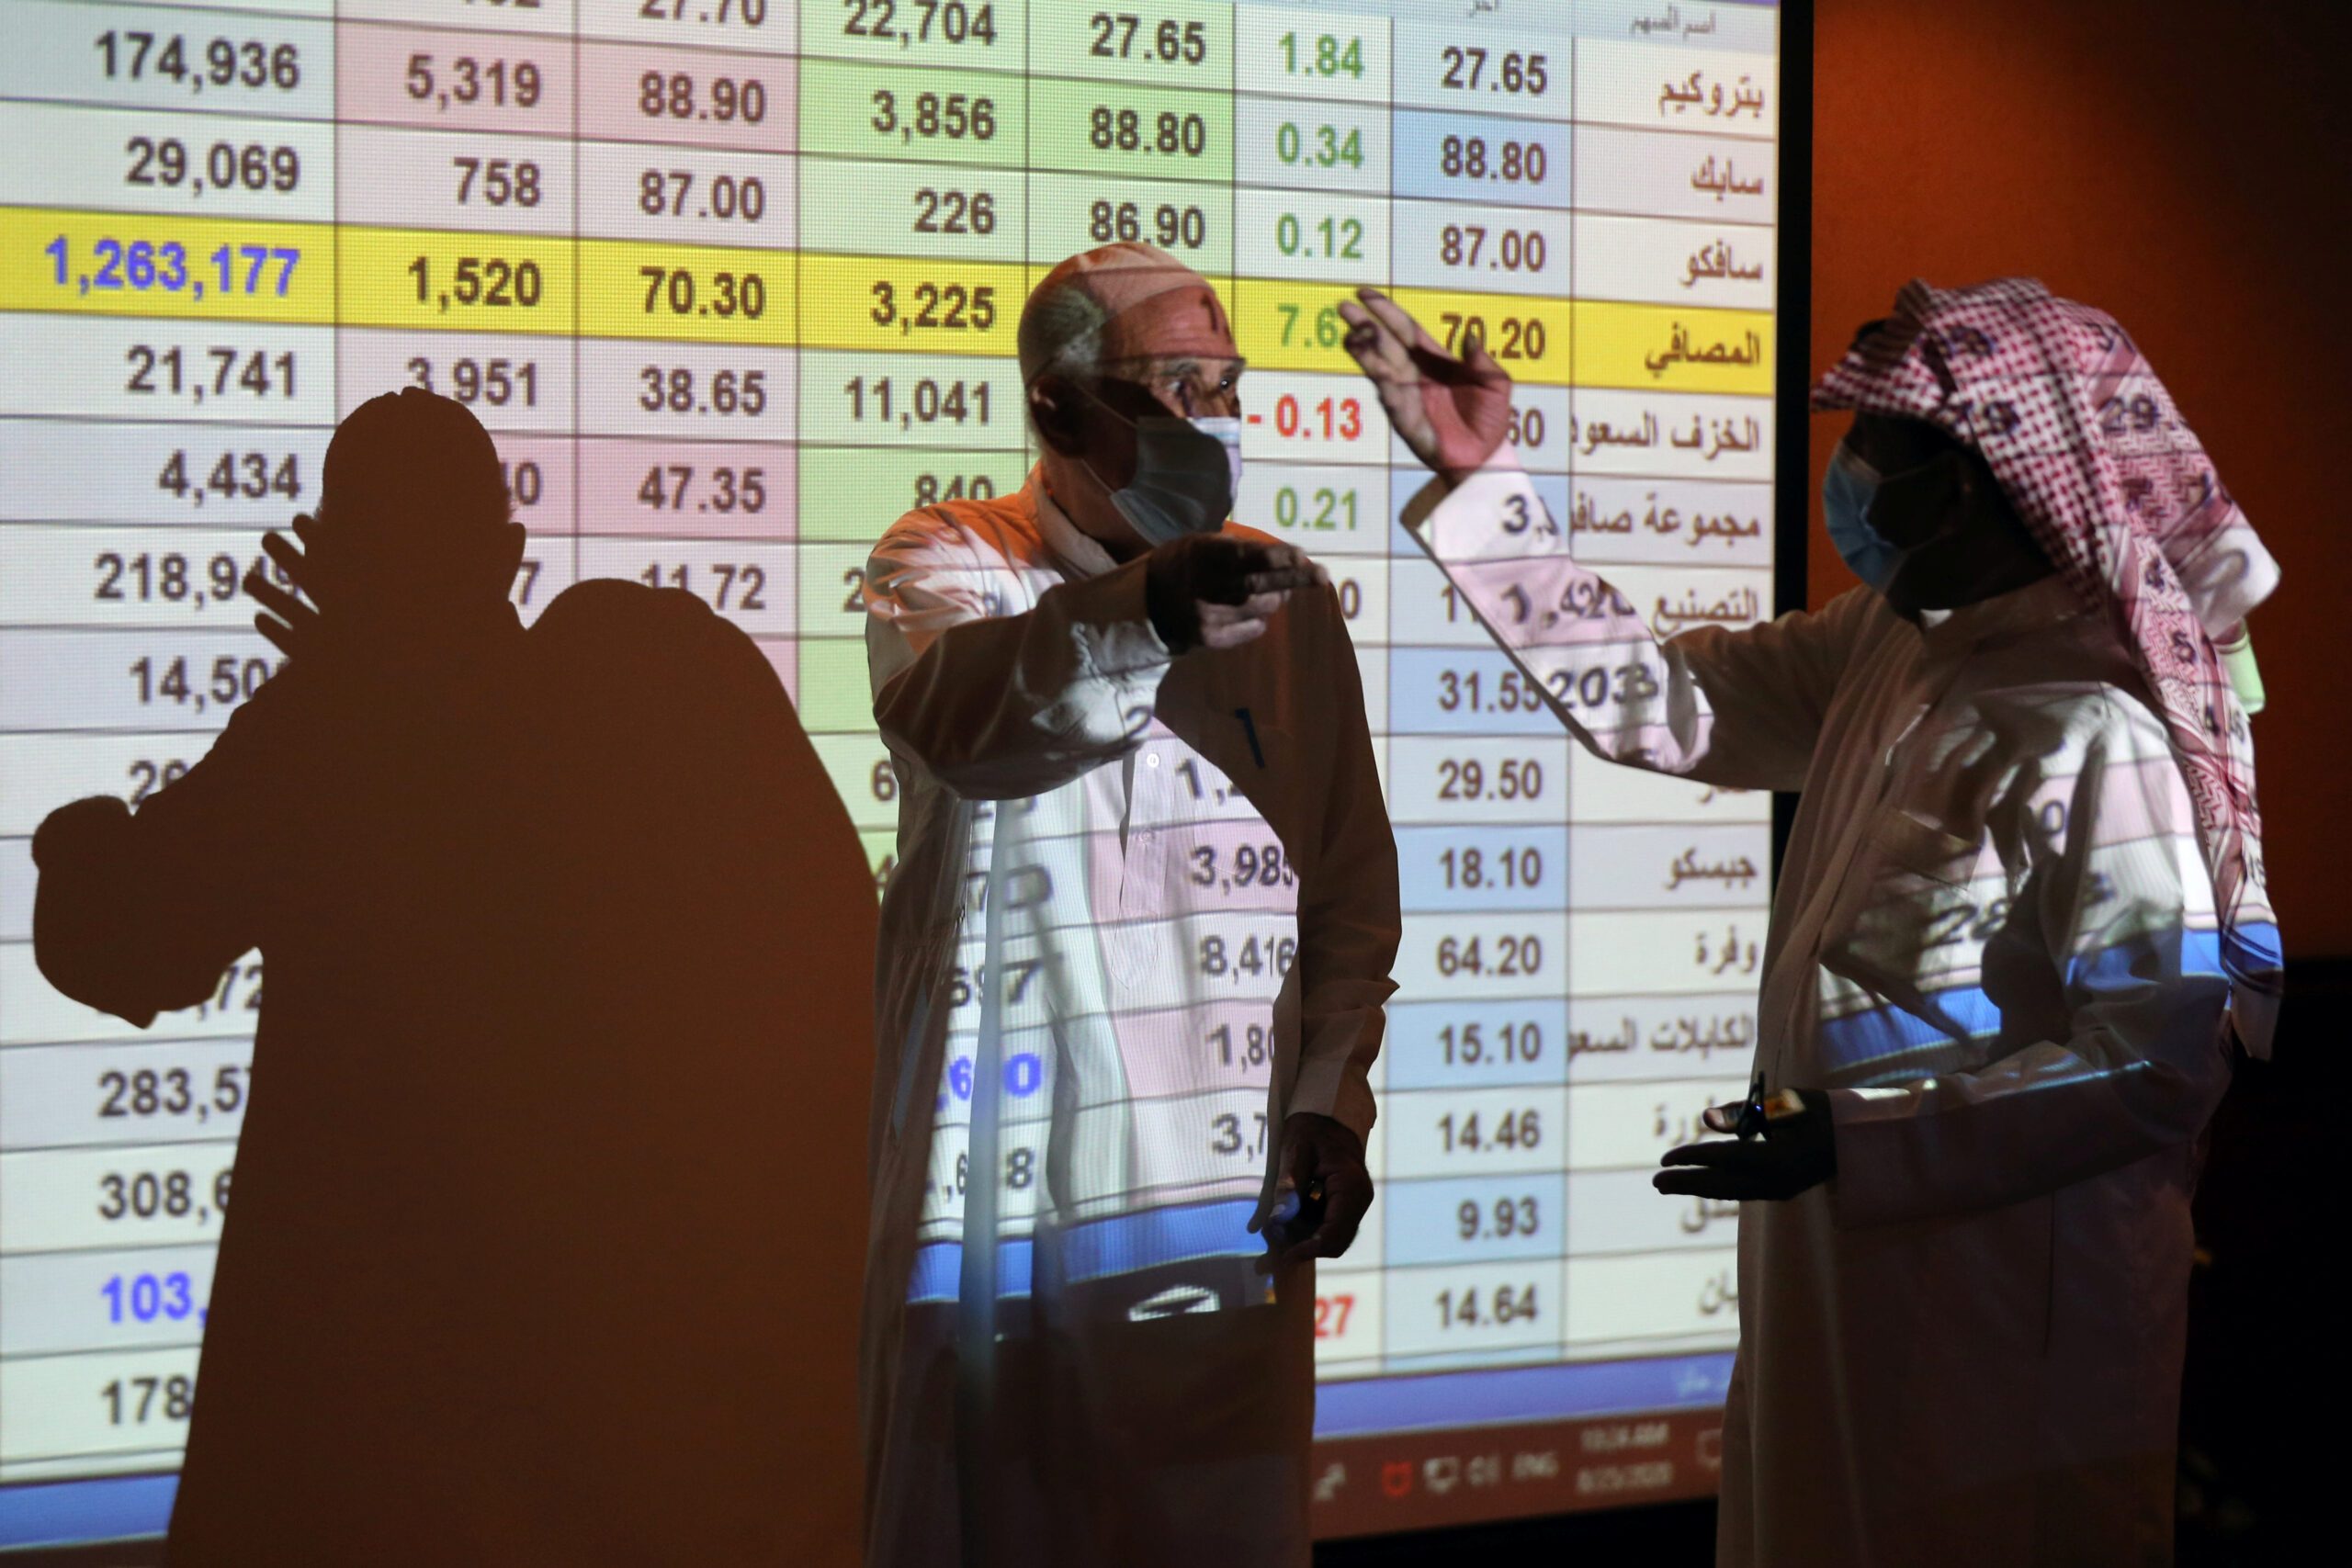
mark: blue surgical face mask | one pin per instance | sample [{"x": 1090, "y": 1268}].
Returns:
[
  {"x": 1847, "y": 489},
  {"x": 1187, "y": 472}
]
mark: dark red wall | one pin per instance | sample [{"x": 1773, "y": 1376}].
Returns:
[{"x": 2187, "y": 168}]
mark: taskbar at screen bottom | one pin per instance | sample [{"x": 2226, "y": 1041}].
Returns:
[
  {"x": 1413, "y": 1453},
  {"x": 1391, "y": 1453},
  {"x": 1418, "y": 1481}
]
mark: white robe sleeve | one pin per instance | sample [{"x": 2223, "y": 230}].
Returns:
[
  {"x": 2123, "y": 910},
  {"x": 1738, "y": 708},
  {"x": 995, "y": 705},
  {"x": 1349, "y": 923}
]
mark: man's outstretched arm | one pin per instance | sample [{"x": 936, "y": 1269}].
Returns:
[
  {"x": 999, "y": 705},
  {"x": 138, "y": 913},
  {"x": 1738, "y": 707}
]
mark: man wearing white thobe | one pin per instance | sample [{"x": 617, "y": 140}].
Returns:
[
  {"x": 1132, "y": 962},
  {"x": 2018, "y": 931}
]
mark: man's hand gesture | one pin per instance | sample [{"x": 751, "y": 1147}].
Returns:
[
  {"x": 1220, "y": 589},
  {"x": 1796, "y": 1153},
  {"x": 283, "y": 618},
  {"x": 1451, "y": 412}
]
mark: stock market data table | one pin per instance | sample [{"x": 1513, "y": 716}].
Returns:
[{"x": 734, "y": 283}]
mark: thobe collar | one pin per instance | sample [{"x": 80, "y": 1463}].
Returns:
[
  {"x": 1080, "y": 554},
  {"x": 2036, "y": 607}
]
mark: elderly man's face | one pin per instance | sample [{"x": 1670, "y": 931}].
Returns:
[
  {"x": 1168, "y": 354},
  {"x": 1171, "y": 352},
  {"x": 1187, "y": 386}
]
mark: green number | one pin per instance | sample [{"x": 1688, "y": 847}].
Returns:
[
  {"x": 1323, "y": 147},
  {"x": 1329, "y": 56}
]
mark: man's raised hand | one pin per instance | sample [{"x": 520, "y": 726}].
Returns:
[
  {"x": 1452, "y": 412},
  {"x": 283, "y": 618},
  {"x": 1220, "y": 589}
]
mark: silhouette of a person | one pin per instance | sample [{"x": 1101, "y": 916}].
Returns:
[{"x": 548, "y": 1227}]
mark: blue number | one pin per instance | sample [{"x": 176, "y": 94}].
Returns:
[
  {"x": 149, "y": 1296},
  {"x": 1022, "y": 1073}
]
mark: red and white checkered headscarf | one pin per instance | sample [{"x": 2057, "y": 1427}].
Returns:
[{"x": 2090, "y": 451}]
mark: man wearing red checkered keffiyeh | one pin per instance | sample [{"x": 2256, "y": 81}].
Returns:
[
  {"x": 2019, "y": 929},
  {"x": 2097, "y": 461}
]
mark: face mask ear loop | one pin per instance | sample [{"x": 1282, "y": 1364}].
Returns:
[{"x": 1087, "y": 463}]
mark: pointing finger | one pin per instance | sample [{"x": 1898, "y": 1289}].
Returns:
[
  {"x": 1688, "y": 1182},
  {"x": 1379, "y": 351},
  {"x": 278, "y": 632},
  {"x": 1723, "y": 1155},
  {"x": 278, "y": 603},
  {"x": 286, "y": 553},
  {"x": 1397, "y": 319}
]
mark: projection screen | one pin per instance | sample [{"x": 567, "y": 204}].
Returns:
[{"x": 734, "y": 283}]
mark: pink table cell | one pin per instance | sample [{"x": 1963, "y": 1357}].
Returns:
[
  {"x": 519, "y": 382},
  {"x": 538, "y": 476},
  {"x": 453, "y": 81},
  {"x": 1186, "y": 1050},
  {"x": 1229, "y": 866},
  {"x": 540, "y": 480},
  {"x": 700, "y": 489},
  {"x": 690, "y": 96}
]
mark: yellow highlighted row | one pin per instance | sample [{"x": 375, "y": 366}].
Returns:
[
  {"x": 1542, "y": 340},
  {"x": 320, "y": 274}
]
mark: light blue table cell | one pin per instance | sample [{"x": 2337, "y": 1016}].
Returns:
[
  {"x": 144, "y": 57},
  {"x": 1542, "y": 431},
  {"x": 1474, "y": 1219},
  {"x": 1487, "y": 70},
  {"x": 1484, "y": 868},
  {"x": 1462, "y": 691},
  {"x": 1456, "y": 1045},
  {"x": 1309, "y": 145},
  {"x": 1488, "y": 158},
  {"x": 64, "y": 1301}
]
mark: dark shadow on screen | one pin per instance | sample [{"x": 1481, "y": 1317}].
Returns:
[{"x": 549, "y": 1210}]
